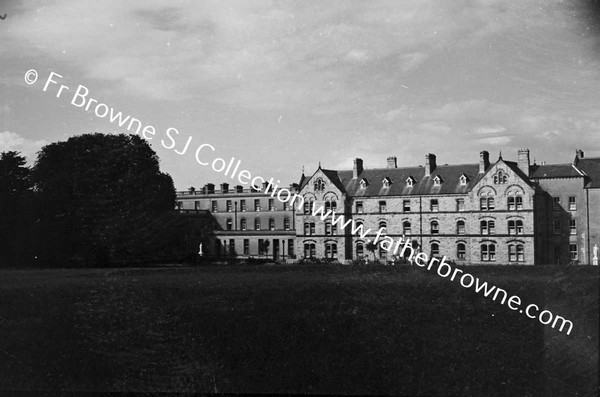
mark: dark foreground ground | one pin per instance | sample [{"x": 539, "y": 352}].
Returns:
[{"x": 292, "y": 329}]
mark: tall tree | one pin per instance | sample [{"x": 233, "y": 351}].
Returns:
[
  {"x": 15, "y": 185},
  {"x": 103, "y": 199}
]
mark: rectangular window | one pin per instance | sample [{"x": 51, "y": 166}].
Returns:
[
  {"x": 243, "y": 205},
  {"x": 512, "y": 253},
  {"x": 229, "y": 224},
  {"x": 246, "y": 246},
  {"x": 312, "y": 228},
  {"x": 228, "y": 205},
  {"x": 231, "y": 246},
  {"x": 291, "y": 247},
  {"x": 196, "y": 205},
  {"x": 573, "y": 226},
  {"x": 286, "y": 206},
  {"x": 359, "y": 207},
  {"x": 271, "y": 224},
  {"x": 483, "y": 204},
  {"x": 557, "y": 226},
  {"x": 434, "y": 205},
  {"x": 406, "y": 205},
  {"x": 382, "y": 206},
  {"x": 573, "y": 251},
  {"x": 460, "y": 204},
  {"x": 271, "y": 205},
  {"x": 520, "y": 253},
  {"x": 256, "y": 204},
  {"x": 257, "y": 224},
  {"x": 519, "y": 201},
  {"x": 556, "y": 203},
  {"x": 215, "y": 206},
  {"x": 286, "y": 223},
  {"x": 572, "y": 204}
]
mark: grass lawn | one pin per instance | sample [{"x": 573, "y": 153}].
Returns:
[{"x": 296, "y": 329}]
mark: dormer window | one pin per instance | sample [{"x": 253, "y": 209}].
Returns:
[
  {"x": 410, "y": 181},
  {"x": 437, "y": 181},
  {"x": 387, "y": 182},
  {"x": 463, "y": 179},
  {"x": 319, "y": 185},
  {"x": 364, "y": 183}
]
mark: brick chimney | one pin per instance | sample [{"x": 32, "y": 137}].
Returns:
[
  {"x": 429, "y": 164},
  {"x": 224, "y": 188},
  {"x": 523, "y": 160},
  {"x": 358, "y": 168},
  {"x": 484, "y": 161},
  {"x": 392, "y": 162}
]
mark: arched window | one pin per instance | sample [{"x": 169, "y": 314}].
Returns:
[
  {"x": 460, "y": 227},
  {"x": 486, "y": 204},
  {"x": 435, "y": 250},
  {"x": 435, "y": 227},
  {"x": 383, "y": 225},
  {"x": 487, "y": 227},
  {"x": 307, "y": 228},
  {"x": 331, "y": 250},
  {"x": 319, "y": 184},
  {"x": 360, "y": 250},
  {"x": 406, "y": 227},
  {"x": 488, "y": 252},
  {"x": 461, "y": 251},
  {"x": 516, "y": 253},
  {"x": 309, "y": 250}
]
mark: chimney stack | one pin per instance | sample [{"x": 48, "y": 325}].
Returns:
[
  {"x": 484, "y": 161},
  {"x": 358, "y": 168},
  {"x": 392, "y": 162},
  {"x": 224, "y": 188},
  {"x": 429, "y": 164},
  {"x": 523, "y": 160}
]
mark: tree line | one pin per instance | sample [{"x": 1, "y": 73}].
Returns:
[{"x": 93, "y": 200}]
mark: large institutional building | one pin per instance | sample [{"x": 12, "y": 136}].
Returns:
[{"x": 504, "y": 212}]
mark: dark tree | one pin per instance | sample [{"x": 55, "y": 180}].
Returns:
[
  {"x": 103, "y": 199},
  {"x": 15, "y": 190}
]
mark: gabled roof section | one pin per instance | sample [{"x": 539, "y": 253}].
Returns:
[
  {"x": 555, "y": 171},
  {"x": 591, "y": 168}
]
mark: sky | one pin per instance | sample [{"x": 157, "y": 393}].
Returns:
[{"x": 283, "y": 85}]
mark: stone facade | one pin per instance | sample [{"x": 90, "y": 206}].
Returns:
[{"x": 481, "y": 213}]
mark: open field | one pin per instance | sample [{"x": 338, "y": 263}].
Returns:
[{"x": 275, "y": 329}]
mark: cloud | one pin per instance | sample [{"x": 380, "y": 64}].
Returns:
[{"x": 11, "y": 141}]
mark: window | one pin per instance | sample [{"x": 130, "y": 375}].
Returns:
[
  {"x": 243, "y": 224},
  {"x": 437, "y": 181},
  {"x": 256, "y": 205},
  {"x": 486, "y": 204},
  {"x": 435, "y": 227},
  {"x": 286, "y": 206},
  {"x": 263, "y": 246},
  {"x": 487, "y": 227},
  {"x": 319, "y": 184},
  {"x": 382, "y": 252},
  {"x": 271, "y": 224},
  {"x": 228, "y": 205},
  {"x": 359, "y": 207},
  {"x": 488, "y": 252},
  {"x": 519, "y": 201},
  {"x": 360, "y": 250},
  {"x": 246, "y": 246},
  {"x": 309, "y": 250},
  {"x": 406, "y": 227},
  {"x": 257, "y": 224},
  {"x": 511, "y": 204},
  {"x": 463, "y": 179},
  {"x": 410, "y": 181},
  {"x": 229, "y": 224},
  {"x": 382, "y": 206},
  {"x": 331, "y": 250},
  {"x": 557, "y": 226},
  {"x": 434, "y": 205},
  {"x": 290, "y": 247},
  {"x": 460, "y": 227},
  {"x": 179, "y": 205},
  {"x": 271, "y": 205},
  {"x": 406, "y": 205},
  {"x": 215, "y": 206},
  {"x": 573, "y": 226},
  {"x": 461, "y": 251},
  {"x": 573, "y": 252},
  {"x": 286, "y": 223},
  {"x": 572, "y": 204},
  {"x": 383, "y": 226},
  {"x": 435, "y": 249},
  {"x": 231, "y": 246},
  {"x": 196, "y": 205},
  {"x": 312, "y": 228},
  {"x": 243, "y": 205},
  {"x": 460, "y": 204},
  {"x": 516, "y": 253},
  {"x": 556, "y": 203},
  {"x": 364, "y": 183},
  {"x": 386, "y": 183},
  {"x": 519, "y": 225},
  {"x": 306, "y": 207},
  {"x": 328, "y": 228},
  {"x": 333, "y": 205}
]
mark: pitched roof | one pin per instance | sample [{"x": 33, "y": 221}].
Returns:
[
  {"x": 450, "y": 175},
  {"x": 554, "y": 171},
  {"x": 591, "y": 167}
]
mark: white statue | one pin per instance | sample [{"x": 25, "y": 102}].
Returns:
[{"x": 595, "y": 258}]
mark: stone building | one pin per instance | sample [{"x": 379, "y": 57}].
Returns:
[{"x": 480, "y": 213}]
